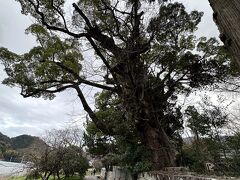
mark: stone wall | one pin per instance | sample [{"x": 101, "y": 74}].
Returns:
[
  {"x": 169, "y": 176},
  {"x": 175, "y": 173},
  {"x": 118, "y": 174}
]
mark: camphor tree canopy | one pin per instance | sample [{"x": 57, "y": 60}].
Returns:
[{"x": 146, "y": 60}]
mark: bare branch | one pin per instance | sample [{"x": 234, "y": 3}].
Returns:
[
  {"x": 81, "y": 80},
  {"x": 103, "y": 59},
  {"x": 82, "y": 15},
  {"x": 90, "y": 112},
  {"x": 94, "y": 32},
  {"x": 111, "y": 9},
  {"x": 59, "y": 12},
  {"x": 37, "y": 91},
  {"x": 51, "y": 27}
]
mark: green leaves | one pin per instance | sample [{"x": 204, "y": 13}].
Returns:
[
  {"x": 37, "y": 29},
  {"x": 173, "y": 21},
  {"x": 198, "y": 123},
  {"x": 122, "y": 146},
  {"x": 207, "y": 122},
  {"x": 52, "y": 10},
  {"x": 176, "y": 51},
  {"x": 41, "y": 70},
  {"x": 7, "y": 55}
]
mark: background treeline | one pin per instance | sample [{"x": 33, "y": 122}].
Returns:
[{"x": 215, "y": 139}]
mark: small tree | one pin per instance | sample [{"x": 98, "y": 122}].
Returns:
[
  {"x": 60, "y": 154},
  {"x": 74, "y": 162},
  {"x": 209, "y": 145}
]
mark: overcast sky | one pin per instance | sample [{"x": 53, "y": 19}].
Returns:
[{"x": 34, "y": 116}]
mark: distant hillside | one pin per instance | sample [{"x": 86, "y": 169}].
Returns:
[
  {"x": 4, "y": 138},
  {"x": 22, "y": 145},
  {"x": 28, "y": 145},
  {"x": 5, "y": 142},
  {"x": 22, "y": 141}
]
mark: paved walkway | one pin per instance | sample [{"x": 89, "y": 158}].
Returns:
[{"x": 91, "y": 178}]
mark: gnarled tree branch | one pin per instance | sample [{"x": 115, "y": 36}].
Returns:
[
  {"x": 90, "y": 112},
  {"x": 51, "y": 27}
]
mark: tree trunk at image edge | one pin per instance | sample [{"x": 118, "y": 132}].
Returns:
[
  {"x": 161, "y": 150},
  {"x": 227, "y": 17}
]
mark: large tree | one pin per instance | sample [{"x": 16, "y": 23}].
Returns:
[{"x": 147, "y": 59}]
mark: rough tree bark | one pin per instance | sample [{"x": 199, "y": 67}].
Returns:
[
  {"x": 162, "y": 152},
  {"x": 227, "y": 17},
  {"x": 143, "y": 107}
]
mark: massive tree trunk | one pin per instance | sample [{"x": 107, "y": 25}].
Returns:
[
  {"x": 162, "y": 152},
  {"x": 144, "y": 106},
  {"x": 227, "y": 17}
]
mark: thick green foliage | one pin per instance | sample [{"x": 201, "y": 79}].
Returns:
[
  {"x": 175, "y": 51},
  {"x": 5, "y": 143},
  {"x": 198, "y": 123},
  {"x": 11, "y": 156},
  {"x": 206, "y": 123},
  {"x": 123, "y": 147},
  {"x": 73, "y": 162},
  {"x": 40, "y": 69},
  {"x": 122, "y": 150}
]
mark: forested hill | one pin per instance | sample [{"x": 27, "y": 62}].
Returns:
[
  {"x": 4, "y": 139},
  {"x": 19, "y": 142},
  {"x": 23, "y": 141},
  {"x": 5, "y": 142},
  {"x": 17, "y": 146}
]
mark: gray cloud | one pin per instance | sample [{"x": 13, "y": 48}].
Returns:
[
  {"x": 30, "y": 115},
  {"x": 12, "y": 27},
  {"x": 33, "y": 116}
]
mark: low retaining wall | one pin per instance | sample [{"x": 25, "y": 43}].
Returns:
[
  {"x": 168, "y": 174},
  {"x": 118, "y": 174}
]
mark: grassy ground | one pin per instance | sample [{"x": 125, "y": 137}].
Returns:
[
  {"x": 23, "y": 178},
  {"x": 88, "y": 173},
  {"x": 17, "y": 178}
]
